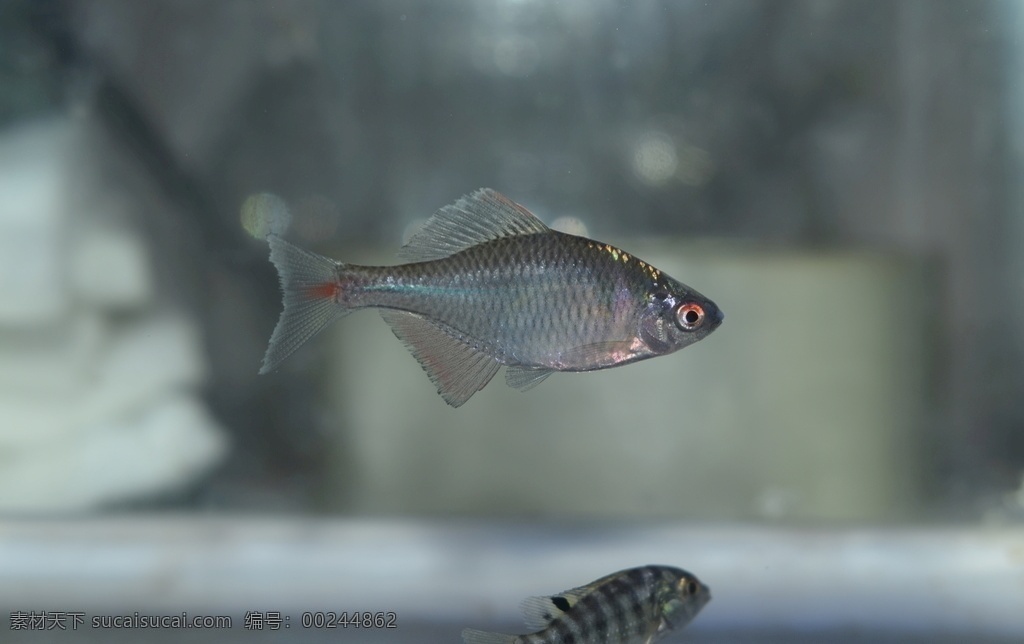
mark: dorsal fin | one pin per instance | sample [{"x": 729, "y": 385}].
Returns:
[
  {"x": 475, "y": 218},
  {"x": 539, "y": 612}
]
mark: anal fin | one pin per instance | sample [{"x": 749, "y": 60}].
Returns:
[{"x": 456, "y": 368}]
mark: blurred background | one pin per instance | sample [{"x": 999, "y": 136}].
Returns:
[{"x": 844, "y": 178}]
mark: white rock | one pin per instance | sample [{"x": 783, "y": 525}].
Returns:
[
  {"x": 143, "y": 361},
  {"x": 92, "y": 407},
  {"x": 54, "y": 360},
  {"x": 109, "y": 268},
  {"x": 163, "y": 446},
  {"x": 34, "y": 206}
]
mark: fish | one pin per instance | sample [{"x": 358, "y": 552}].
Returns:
[
  {"x": 634, "y": 606},
  {"x": 487, "y": 285}
]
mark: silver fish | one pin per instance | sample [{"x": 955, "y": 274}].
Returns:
[
  {"x": 488, "y": 284},
  {"x": 634, "y": 606}
]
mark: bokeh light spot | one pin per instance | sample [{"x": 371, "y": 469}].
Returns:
[
  {"x": 265, "y": 213},
  {"x": 654, "y": 158},
  {"x": 571, "y": 225}
]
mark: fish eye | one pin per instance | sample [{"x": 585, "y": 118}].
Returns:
[
  {"x": 690, "y": 316},
  {"x": 691, "y": 587}
]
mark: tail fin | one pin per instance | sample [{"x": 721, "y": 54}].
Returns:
[
  {"x": 311, "y": 287},
  {"x": 473, "y": 636}
]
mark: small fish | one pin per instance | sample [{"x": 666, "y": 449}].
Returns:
[
  {"x": 488, "y": 284},
  {"x": 634, "y": 606}
]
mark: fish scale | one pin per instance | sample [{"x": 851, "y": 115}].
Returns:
[
  {"x": 521, "y": 326},
  {"x": 490, "y": 285}
]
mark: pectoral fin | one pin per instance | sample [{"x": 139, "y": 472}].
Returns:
[{"x": 525, "y": 379}]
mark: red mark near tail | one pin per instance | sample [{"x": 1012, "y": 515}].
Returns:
[{"x": 325, "y": 291}]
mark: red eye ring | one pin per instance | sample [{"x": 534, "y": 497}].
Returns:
[{"x": 690, "y": 316}]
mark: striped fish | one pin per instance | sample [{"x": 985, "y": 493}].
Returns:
[
  {"x": 634, "y": 606},
  {"x": 489, "y": 285}
]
